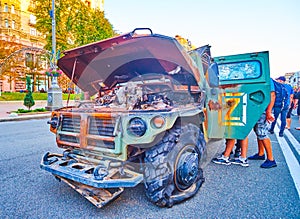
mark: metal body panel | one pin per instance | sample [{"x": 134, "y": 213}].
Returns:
[
  {"x": 85, "y": 173},
  {"x": 147, "y": 86},
  {"x": 245, "y": 83}
]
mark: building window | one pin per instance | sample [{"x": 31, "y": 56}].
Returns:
[
  {"x": 5, "y": 7},
  {"x": 33, "y": 31},
  {"x": 6, "y": 23},
  {"x": 13, "y": 24},
  {"x": 13, "y": 9}
]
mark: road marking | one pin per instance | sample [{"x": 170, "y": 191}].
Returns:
[
  {"x": 293, "y": 141},
  {"x": 290, "y": 159}
]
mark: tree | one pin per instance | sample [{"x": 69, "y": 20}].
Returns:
[
  {"x": 76, "y": 23},
  {"x": 28, "y": 99}
]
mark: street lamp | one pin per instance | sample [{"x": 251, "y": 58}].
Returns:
[{"x": 54, "y": 92}]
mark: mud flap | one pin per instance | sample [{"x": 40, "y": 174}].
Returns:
[{"x": 98, "y": 196}]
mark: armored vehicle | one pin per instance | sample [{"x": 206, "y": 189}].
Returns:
[{"x": 156, "y": 109}]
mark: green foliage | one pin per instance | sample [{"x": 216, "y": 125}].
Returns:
[
  {"x": 16, "y": 96},
  {"x": 76, "y": 24},
  {"x": 29, "y": 111},
  {"x": 28, "y": 100}
]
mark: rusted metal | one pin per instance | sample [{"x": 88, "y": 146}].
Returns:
[
  {"x": 224, "y": 86},
  {"x": 97, "y": 196},
  {"x": 214, "y": 105},
  {"x": 151, "y": 93}
]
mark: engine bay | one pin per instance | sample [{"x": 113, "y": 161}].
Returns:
[{"x": 156, "y": 92}]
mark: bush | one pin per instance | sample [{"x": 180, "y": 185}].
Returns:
[
  {"x": 30, "y": 111},
  {"x": 15, "y": 96}
]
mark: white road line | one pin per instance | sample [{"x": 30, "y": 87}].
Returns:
[
  {"x": 293, "y": 141},
  {"x": 290, "y": 159}
]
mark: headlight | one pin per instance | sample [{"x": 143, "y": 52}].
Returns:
[
  {"x": 137, "y": 127},
  {"x": 53, "y": 122},
  {"x": 157, "y": 122}
]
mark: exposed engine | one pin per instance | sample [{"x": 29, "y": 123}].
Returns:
[{"x": 142, "y": 95}]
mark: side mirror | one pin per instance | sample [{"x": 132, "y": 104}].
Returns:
[{"x": 213, "y": 75}]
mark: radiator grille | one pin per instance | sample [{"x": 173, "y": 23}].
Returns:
[
  {"x": 102, "y": 127},
  {"x": 71, "y": 124},
  {"x": 69, "y": 138},
  {"x": 101, "y": 144}
]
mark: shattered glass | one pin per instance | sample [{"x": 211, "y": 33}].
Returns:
[{"x": 241, "y": 70}]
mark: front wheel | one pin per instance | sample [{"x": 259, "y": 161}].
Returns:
[{"x": 172, "y": 167}]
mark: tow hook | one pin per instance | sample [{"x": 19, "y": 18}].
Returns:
[
  {"x": 49, "y": 159},
  {"x": 100, "y": 172}
]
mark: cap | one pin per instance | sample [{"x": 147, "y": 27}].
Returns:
[{"x": 282, "y": 78}]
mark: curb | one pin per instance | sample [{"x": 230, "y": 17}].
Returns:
[{"x": 25, "y": 117}]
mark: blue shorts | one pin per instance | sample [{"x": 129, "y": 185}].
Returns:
[{"x": 262, "y": 127}]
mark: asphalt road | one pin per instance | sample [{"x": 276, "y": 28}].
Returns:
[{"x": 228, "y": 192}]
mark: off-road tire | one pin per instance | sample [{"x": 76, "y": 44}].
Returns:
[{"x": 172, "y": 167}]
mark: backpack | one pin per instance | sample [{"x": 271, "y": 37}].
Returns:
[{"x": 282, "y": 95}]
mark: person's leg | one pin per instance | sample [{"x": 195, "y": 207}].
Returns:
[
  {"x": 288, "y": 123},
  {"x": 237, "y": 151},
  {"x": 242, "y": 159},
  {"x": 244, "y": 147},
  {"x": 224, "y": 158},
  {"x": 283, "y": 121},
  {"x": 260, "y": 128},
  {"x": 288, "y": 117},
  {"x": 276, "y": 112},
  {"x": 270, "y": 161},
  {"x": 261, "y": 148},
  {"x": 229, "y": 146},
  {"x": 264, "y": 140},
  {"x": 266, "y": 143}
]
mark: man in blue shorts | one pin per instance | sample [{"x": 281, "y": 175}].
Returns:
[{"x": 261, "y": 130}]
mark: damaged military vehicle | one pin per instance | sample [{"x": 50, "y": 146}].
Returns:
[{"x": 156, "y": 108}]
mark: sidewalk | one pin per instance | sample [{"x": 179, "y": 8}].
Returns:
[{"x": 7, "y": 106}]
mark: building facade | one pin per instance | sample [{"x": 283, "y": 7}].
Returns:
[
  {"x": 294, "y": 79},
  {"x": 20, "y": 40}
]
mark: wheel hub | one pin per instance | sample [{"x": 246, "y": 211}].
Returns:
[{"x": 187, "y": 169}]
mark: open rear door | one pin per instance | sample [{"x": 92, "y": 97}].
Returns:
[{"x": 245, "y": 92}]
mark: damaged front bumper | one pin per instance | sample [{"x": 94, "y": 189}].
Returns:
[{"x": 100, "y": 183}]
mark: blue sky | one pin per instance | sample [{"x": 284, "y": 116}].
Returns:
[{"x": 229, "y": 26}]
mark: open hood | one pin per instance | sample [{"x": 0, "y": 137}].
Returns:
[{"x": 122, "y": 58}]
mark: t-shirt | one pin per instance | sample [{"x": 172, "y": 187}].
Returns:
[
  {"x": 290, "y": 91},
  {"x": 297, "y": 95},
  {"x": 272, "y": 86}
]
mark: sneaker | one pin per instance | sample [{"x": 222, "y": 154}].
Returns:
[
  {"x": 221, "y": 160},
  {"x": 268, "y": 164},
  {"x": 271, "y": 132},
  {"x": 257, "y": 157},
  {"x": 238, "y": 161},
  {"x": 280, "y": 134}
]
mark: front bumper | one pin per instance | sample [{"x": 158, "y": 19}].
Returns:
[{"x": 97, "y": 176}]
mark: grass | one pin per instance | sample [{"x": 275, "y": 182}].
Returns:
[
  {"x": 30, "y": 111},
  {"x": 16, "y": 96}
]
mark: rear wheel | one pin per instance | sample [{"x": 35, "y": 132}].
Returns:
[{"x": 172, "y": 167}]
